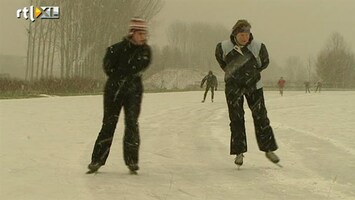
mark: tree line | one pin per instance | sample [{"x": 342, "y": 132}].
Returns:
[
  {"x": 334, "y": 65},
  {"x": 75, "y": 44},
  {"x": 189, "y": 46}
]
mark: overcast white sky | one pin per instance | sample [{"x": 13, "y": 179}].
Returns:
[{"x": 287, "y": 27}]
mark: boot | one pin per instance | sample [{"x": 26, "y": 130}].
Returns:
[
  {"x": 239, "y": 159},
  {"x": 133, "y": 167},
  {"x": 94, "y": 166},
  {"x": 272, "y": 156}
]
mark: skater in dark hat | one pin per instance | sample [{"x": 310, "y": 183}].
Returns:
[
  {"x": 242, "y": 59},
  {"x": 211, "y": 84}
]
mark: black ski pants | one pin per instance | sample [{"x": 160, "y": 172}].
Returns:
[
  {"x": 120, "y": 95},
  {"x": 206, "y": 91},
  {"x": 264, "y": 133}
]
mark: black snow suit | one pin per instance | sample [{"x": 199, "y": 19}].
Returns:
[
  {"x": 211, "y": 84},
  {"x": 123, "y": 63},
  {"x": 242, "y": 67}
]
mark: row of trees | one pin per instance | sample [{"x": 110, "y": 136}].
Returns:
[
  {"x": 192, "y": 46},
  {"x": 189, "y": 46},
  {"x": 77, "y": 41},
  {"x": 74, "y": 45},
  {"x": 334, "y": 65}
]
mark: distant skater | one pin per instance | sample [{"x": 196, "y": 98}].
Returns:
[
  {"x": 281, "y": 83},
  {"x": 318, "y": 86},
  {"x": 306, "y": 86},
  {"x": 211, "y": 83}
]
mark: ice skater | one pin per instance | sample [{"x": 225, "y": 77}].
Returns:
[
  {"x": 242, "y": 59},
  {"x": 306, "y": 85},
  {"x": 318, "y": 86},
  {"x": 123, "y": 64},
  {"x": 281, "y": 83},
  {"x": 211, "y": 84}
]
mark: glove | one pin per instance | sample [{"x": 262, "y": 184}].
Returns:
[{"x": 216, "y": 89}]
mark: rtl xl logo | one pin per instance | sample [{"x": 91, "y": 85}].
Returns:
[{"x": 43, "y": 12}]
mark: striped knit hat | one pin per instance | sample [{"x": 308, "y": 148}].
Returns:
[{"x": 137, "y": 24}]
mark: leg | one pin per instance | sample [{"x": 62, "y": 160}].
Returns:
[
  {"x": 205, "y": 94},
  {"x": 212, "y": 93},
  {"x": 112, "y": 108},
  {"x": 264, "y": 133},
  {"x": 131, "y": 140},
  {"x": 235, "y": 100}
]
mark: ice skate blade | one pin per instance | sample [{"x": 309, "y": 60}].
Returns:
[
  {"x": 91, "y": 172},
  {"x": 279, "y": 165}
]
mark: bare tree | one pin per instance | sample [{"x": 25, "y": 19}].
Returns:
[
  {"x": 77, "y": 41},
  {"x": 194, "y": 44},
  {"x": 335, "y": 64},
  {"x": 292, "y": 65}
]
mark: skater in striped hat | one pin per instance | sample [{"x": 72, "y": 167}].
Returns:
[{"x": 123, "y": 64}]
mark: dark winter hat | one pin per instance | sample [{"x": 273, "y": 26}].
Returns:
[
  {"x": 137, "y": 24},
  {"x": 242, "y": 26}
]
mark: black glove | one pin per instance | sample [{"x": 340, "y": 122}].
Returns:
[{"x": 216, "y": 89}]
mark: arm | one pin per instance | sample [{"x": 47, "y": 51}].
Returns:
[
  {"x": 264, "y": 57},
  {"x": 219, "y": 56},
  {"x": 108, "y": 65},
  {"x": 216, "y": 82},
  {"x": 203, "y": 81}
]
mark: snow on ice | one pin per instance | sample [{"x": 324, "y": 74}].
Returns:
[{"x": 46, "y": 145}]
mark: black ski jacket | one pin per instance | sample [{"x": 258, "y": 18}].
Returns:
[
  {"x": 125, "y": 60},
  {"x": 211, "y": 81},
  {"x": 242, "y": 66}
]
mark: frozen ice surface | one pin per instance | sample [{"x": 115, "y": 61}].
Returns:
[{"x": 46, "y": 145}]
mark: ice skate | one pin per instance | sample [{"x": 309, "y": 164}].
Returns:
[
  {"x": 239, "y": 160},
  {"x": 273, "y": 158},
  {"x": 133, "y": 168},
  {"x": 93, "y": 167}
]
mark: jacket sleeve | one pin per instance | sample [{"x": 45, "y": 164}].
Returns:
[
  {"x": 140, "y": 62},
  {"x": 203, "y": 81},
  {"x": 108, "y": 62},
  {"x": 219, "y": 56},
  {"x": 264, "y": 57}
]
